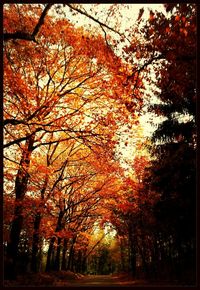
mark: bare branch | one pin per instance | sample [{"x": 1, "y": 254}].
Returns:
[
  {"x": 19, "y": 140},
  {"x": 41, "y": 20},
  {"x": 27, "y": 36},
  {"x": 13, "y": 122},
  {"x": 18, "y": 35},
  {"x": 94, "y": 19}
]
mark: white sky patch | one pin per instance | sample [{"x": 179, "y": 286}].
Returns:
[{"x": 109, "y": 231}]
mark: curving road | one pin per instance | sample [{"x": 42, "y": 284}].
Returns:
[
  {"x": 101, "y": 281},
  {"x": 98, "y": 280}
]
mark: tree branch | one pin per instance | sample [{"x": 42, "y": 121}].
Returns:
[
  {"x": 94, "y": 19},
  {"x": 17, "y": 141},
  {"x": 18, "y": 35},
  {"x": 13, "y": 122},
  {"x": 99, "y": 241},
  {"x": 41, "y": 20},
  {"x": 27, "y": 36}
]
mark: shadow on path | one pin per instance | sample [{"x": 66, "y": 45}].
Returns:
[{"x": 102, "y": 281}]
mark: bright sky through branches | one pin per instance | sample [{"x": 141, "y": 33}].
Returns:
[
  {"x": 128, "y": 15},
  {"x": 127, "y": 18}
]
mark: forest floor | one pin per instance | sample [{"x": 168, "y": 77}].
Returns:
[{"x": 70, "y": 279}]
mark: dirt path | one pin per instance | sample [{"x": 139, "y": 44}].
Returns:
[
  {"x": 100, "y": 281},
  {"x": 97, "y": 280},
  {"x": 69, "y": 279}
]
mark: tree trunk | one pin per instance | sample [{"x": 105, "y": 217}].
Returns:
[
  {"x": 78, "y": 263},
  {"x": 57, "y": 261},
  {"x": 49, "y": 254},
  {"x": 69, "y": 264},
  {"x": 132, "y": 251},
  {"x": 72, "y": 261},
  {"x": 84, "y": 262},
  {"x": 133, "y": 260},
  {"x": 122, "y": 266},
  {"x": 36, "y": 235},
  {"x": 155, "y": 258},
  {"x": 36, "y": 240},
  {"x": 50, "y": 251},
  {"x": 143, "y": 254},
  {"x": 58, "y": 228},
  {"x": 17, "y": 223},
  {"x": 64, "y": 261}
]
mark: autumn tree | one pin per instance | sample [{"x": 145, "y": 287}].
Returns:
[
  {"x": 25, "y": 32},
  {"x": 57, "y": 85},
  {"x": 173, "y": 174},
  {"x": 167, "y": 51},
  {"x": 79, "y": 193},
  {"x": 130, "y": 214}
]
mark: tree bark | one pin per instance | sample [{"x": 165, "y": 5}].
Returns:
[
  {"x": 64, "y": 260},
  {"x": 70, "y": 264},
  {"x": 133, "y": 259},
  {"x": 20, "y": 191},
  {"x": 49, "y": 254},
  {"x": 27, "y": 36},
  {"x": 57, "y": 261},
  {"x": 132, "y": 251},
  {"x": 36, "y": 240},
  {"x": 36, "y": 235},
  {"x": 122, "y": 266},
  {"x": 50, "y": 250}
]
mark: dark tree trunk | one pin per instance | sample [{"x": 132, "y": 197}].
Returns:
[
  {"x": 132, "y": 245},
  {"x": 49, "y": 254},
  {"x": 84, "y": 262},
  {"x": 71, "y": 253},
  {"x": 122, "y": 267},
  {"x": 64, "y": 261},
  {"x": 72, "y": 260},
  {"x": 50, "y": 251},
  {"x": 53, "y": 258},
  {"x": 155, "y": 259},
  {"x": 79, "y": 261},
  {"x": 142, "y": 251},
  {"x": 12, "y": 248},
  {"x": 58, "y": 228},
  {"x": 84, "y": 265},
  {"x": 36, "y": 240},
  {"x": 36, "y": 235},
  {"x": 57, "y": 261},
  {"x": 17, "y": 223},
  {"x": 133, "y": 260}
]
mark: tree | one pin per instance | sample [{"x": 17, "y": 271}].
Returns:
[
  {"x": 174, "y": 149},
  {"x": 43, "y": 79},
  {"x": 24, "y": 33},
  {"x": 131, "y": 215},
  {"x": 29, "y": 33}
]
